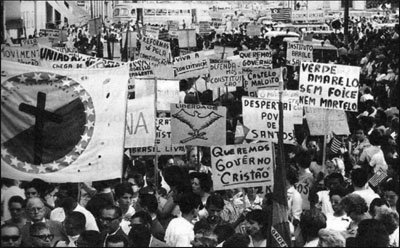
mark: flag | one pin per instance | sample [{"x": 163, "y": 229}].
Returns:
[
  {"x": 62, "y": 125},
  {"x": 281, "y": 14},
  {"x": 335, "y": 145},
  {"x": 378, "y": 177}
]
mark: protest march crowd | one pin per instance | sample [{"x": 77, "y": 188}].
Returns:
[{"x": 342, "y": 177}]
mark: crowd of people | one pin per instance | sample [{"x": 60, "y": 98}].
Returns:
[{"x": 332, "y": 203}]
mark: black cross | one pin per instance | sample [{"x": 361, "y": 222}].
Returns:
[{"x": 41, "y": 116}]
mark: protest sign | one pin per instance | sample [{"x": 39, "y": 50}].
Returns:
[
  {"x": 253, "y": 29},
  {"x": 140, "y": 119},
  {"x": 151, "y": 31},
  {"x": 167, "y": 93},
  {"x": 67, "y": 49},
  {"x": 144, "y": 87},
  {"x": 173, "y": 25},
  {"x": 288, "y": 96},
  {"x": 299, "y": 51},
  {"x": 191, "y": 65},
  {"x": 155, "y": 51},
  {"x": 324, "y": 121},
  {"x": 257, "y": 78},
  {"x": 221, "y": 52},
  {"x": 259, "y": 58},
  {"x": 84, "y": 110},
  {"x": 226, "y": 73},
  {"x": 186, "y": 37},
  {"x": 163, "y": 141},
  {"x": 246, "y": 165},
  {"x": 29, "y": 42},
  {"x": 52, "y": 34},
  {"x": 261, "y": 116},
  {"x": 140, "y": 68},
  {"x": 199, "y": 125},
  {"x": 25, "y": 55},
  {"x": 204, "y": 27},
  {"x": 329, "y": 86},
  {"x": 317, "y": 16},
  {"x": 164, "y": 71},
  {"x": 68, "y": 65}
]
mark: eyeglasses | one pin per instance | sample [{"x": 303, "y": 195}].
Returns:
[
  {"x": 13, "y": 238},
  {"x": 44, "y": 236},
  {"x": 32, "y": 210}
]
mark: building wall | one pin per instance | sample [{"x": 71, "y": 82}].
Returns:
[{"x": 335, "y": 5}]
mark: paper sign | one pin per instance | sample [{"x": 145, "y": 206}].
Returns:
[
  {"x": 329, "y": 86},
  {"x": 226, "y": 73},
  {"x": 151, "y": 31},
  {"x": 200, "y": 125},
  {"x": 186, "y": 37},
  {"x": 308, "y": 16},
  {"x": 29, "y": 42},
  {"x": 140, "y": 118},
  {"x": 191, "y": 65},
  {"x": 25, "y": 55},
  {"x": 66, "y": 49},
  {"x": 173, "y": 25},
  {"x": 52, "y": 34},
  {"x": 299, "y": 51},
  {"x": 155, "y": 51},
  {"x": 167, "y": 93},
  {"x": 204, "y": 27},
  {"x": 144, "y": 87},
  {"x": 163, "y": 141},
  {"x": 261, "y": 116},
  {"x": 246, "y": 165},
  {"x": 257, "y": 78},
  {"x": 68, "y": 65},
  {"x": 140, "y": 69},
  {"x": 253, "y": 29},
  {"x": 259, "y": 58},
  {"x": 324, "y": 121},
  {"x": 132, "y": 39}
]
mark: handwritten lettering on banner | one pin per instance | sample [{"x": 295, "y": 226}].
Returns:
[
  {"x": 261, "y": 116},
  {"x": 329, "y": 86},
  {"x": 29, "y": 42},
  {"x": 67, "y": 49},
  {"x": 68, "y": 65},
  {"x": 309, "y": 16},
  {"x": 246, "y": 165},
  {"x": 257, "y": 78},
  {"x": 140, "y": 118},
  {"x": 163, "y": 141},
  {"x": 151, "y": 31},
  {"x": 167, "y": 93},
  {"x": 227, "y": 73},
  {"x": 155, "y": 51},
  {"x": 25, "y": 55},
  {"x": 191, "y": 65},
  {"x": 140, "y": 68},
  {"x": 260, "y": 58},
  {"x": 297, "y": 52},
  {"x": 200, "y": 125},
  {"x": 288, "y": 96},
  {"x": 335, "y": 122}
]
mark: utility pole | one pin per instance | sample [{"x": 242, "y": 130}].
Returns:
[{"x": 346, "y": 22}]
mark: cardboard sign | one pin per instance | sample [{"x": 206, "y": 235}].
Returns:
[
  {"x": 308, "y": 16},
  {"x": 140, "y": 69},
  {"x": 257, "y": 78},
  {"x": 324, "y": 121},
  {"x": 140, "y": 119},
  {"x": 151, "y": 31},
  {"x": 246, "y": 165},
  {"x": 25, "y": 55},
  {"x": 163, "y": 141},
  {"x": 204, "y": 28},
  {"x": 186, "y": 37},
  {"x": 155, "y": 51},
  {"x": 226, "y": 73},
  {"x": 253, "y": 29},
  {"x": 299, "y": 51},
  {"x": 167, "y": 93},
  {"x": 288, "y": 96},
  {"x": 191, "y": 65},
  {"x": 261, "y": 116},
  {"x": 259, "y": 58},
  {"x": 199, "y": 125},
  {"x": 329, "y": 86}
]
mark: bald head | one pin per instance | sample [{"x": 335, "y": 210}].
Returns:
[{"x": 35, "y": 209}]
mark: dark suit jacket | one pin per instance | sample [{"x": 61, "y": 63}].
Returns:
[
  {"x": 55, "y": 227},
  {"x": 157, "y": 230},
  {"x": 157, "y": 243},
  {"x": 119, "y": 232}
]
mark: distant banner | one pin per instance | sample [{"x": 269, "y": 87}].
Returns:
[
  {"x": 308, "y": 16},
  {"x": 329, "y": 86},
  {"x": 67, "y": 49},
  {"x": 52, "y": 34},
  {"x": 24, "y": 55},
  {"x": 186, "y": 37},
  {"x": 247, "y": 165},
  {"x": 163, "y": 140},
  {"x": 140, "y": 69},
  {"x": 155, "y": 51},
  {"x": 299, "y": 51},
  {"x": 167, "y": 93},
  {"x": 325, "y": 121},
  {"x": 68, "y": 65},
  {"x": 172, "y": 25},
  {"x": 253, "y": 29},
  {"x": 259, "y": 58},
  {"x": 151, "y": 31},
  {"x": 226, "y": 73},
  {"x": 29, "y": 42},
  {"x": 257, "y": 78},
  {"x": 261, "y": 116},
  {"x": 199, "y": 125},
  {"x": 204, "y": 27},
  {"x": 191, "y": 65}
]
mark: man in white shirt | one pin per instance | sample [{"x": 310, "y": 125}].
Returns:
[
  {"x": 180, "y": 232},
  {"x": 359, "y": 177},
  {"x": 338, "y": 220}
]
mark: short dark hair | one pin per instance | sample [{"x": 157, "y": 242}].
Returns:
[
  {"x": 78, "y": 218},
  {"x": 188, "y": 201},
  {"x": 149, "y": 201},
  {"x": 260, "y": 216},
  {"x": 390, "y": 185},
  {"x": 36, "y": 227},
  {"x": 377, "y": 202},
  {"x": 121, "y": 189},
  {"x": 11, "y": 225},
  {"x": 303, "y": 159},
  {"x": 359, "y": 177},
  {"x": 341, "y": 191},
  {"x": 202, "y": 226},
  {"x": 292, "y": 175},
  {"x": 372, "y": 233},
  {"x": 311, "y": 221},
  {"x": 224, "y": 231},
  {"x": 16, "y": 199},
  {"x": 116, "y": 239},
  {"x": 117, "y": 209},
  {"x": 335, "y": 175},
  {"x": 138, "y": 178},
  {"x": 204, "y": 180},
  {"x": 216, "y": 200},
  {"x": 144, "y": 217},
  {"x": 354, "y": 203},
  {"x": 375, "y": 138},
  {"x": 237, "y": 240},
  {"x": 92, "y": 238}
]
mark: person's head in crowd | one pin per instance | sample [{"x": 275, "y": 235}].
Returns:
[
  {"x": 214, "y": 206},
  {"x": 312, "y": 146},
  {"x": 336, "y": 195},
  {"x": 165, "y": 161},
  {"x": 256, "y": 224},
  {"x": 189, "y": 204},
  {"x": 371, "y": 233},
  {"x": 136, "y": 181},
  {"x": 237, "y": 240},
  {"x": 303, "y": 159},
  {"x": 148, "y": 203},
  {"x": 359, "y": 177},
  {"x": 74, "y": 225},
  {"x": 330, "y": 238},
  {"x": 194, "y": 157},
  {"x": 390, "y": 190},
  {"x": 66, "y": 190},
  {"x": 16, "y": 205},
  {"x": 377, "y": 204},
  {"x": 360, "y": 134},
  {"x": 335, "y": 165},
  {"x": 311, "y": 221},
  {"x": 116, "y": 241},
  {"x": 40, "y": 235},
  {"x": 389, "y": 218},
  {"x": 50, "y": 195},
  {"x": 177, "y": 179},
  {"x": 140, "y": 233},
  {"x": 35, "y": 209},
  {"x": 89, "y": 238},
  {"x": 314, "y": 200},
  {"x": 201, "y": 183},
  {"x": 109, "y": 219},
  {"x": 223, "y": 232},
  {"x": 10, "y": 235},
  {"x": 32, "y": 189},
  {"x": 292, "y": 176},
  {"x": 123, "y": 194},
  {"x": 355, "y": 206},
  {"x": 375, "y": 138},
  {"x": 151, "y": 177},
  {"x": 203, "y": 235}
]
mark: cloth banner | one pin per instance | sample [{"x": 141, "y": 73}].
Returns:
[
  {"x": 24, "y": 55},
  {"x": 62, "y": 125}
]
